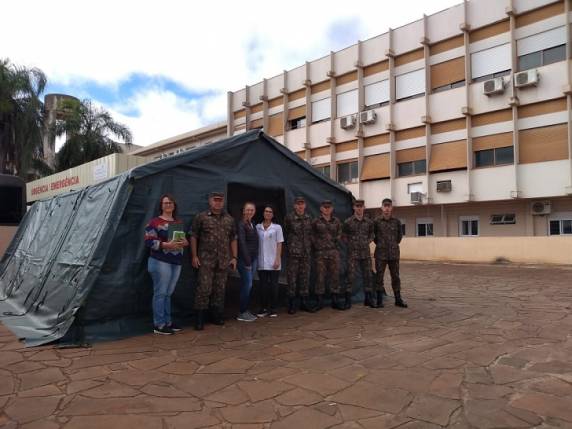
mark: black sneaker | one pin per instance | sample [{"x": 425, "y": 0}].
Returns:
[
  {"x": 263, "y": 313},
  {"x": 272, "y": 314},
  {"x": 174, "y": 327},
  {"x": 165, "y": 330}
]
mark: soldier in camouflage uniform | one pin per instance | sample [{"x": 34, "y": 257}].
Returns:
[
  {"x": 298, "y": 236},
  {"x": 358, "y": 234},
  {"x": 388, "y": 235},
  {"x": 326, "y": 235},
  {"x": 213, "y": 250}
]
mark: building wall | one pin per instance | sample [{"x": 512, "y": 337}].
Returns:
[{"x": 427, "y": 79}]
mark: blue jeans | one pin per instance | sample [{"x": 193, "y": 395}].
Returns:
[
  {"x": 246, "y": 276},
  {"x": 164, "y": 276}
]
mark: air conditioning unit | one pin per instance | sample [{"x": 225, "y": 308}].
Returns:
[
  {"x": 526, "y": 78},
  {"x": 541, "y": 208},
  {"x": 416, "y": 197},
  {"x": 493, "y": 86},
  {"x": 348, "y": 122},
  {"x": 444, "y": 186},
  {"x": 367, "y": 117}
]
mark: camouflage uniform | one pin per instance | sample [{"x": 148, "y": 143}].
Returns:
[
  {"x": 325, "y": 238},
  {"x": 387, "y": 238},
  {"x": 358, "y": 234},
  {"x": 298, "y": 234},
  {"x": 214, "y": 234}
]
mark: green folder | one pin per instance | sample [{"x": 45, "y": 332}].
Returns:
[{"x": 176, "y": 232}]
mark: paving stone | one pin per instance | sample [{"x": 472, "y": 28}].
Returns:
[
  {"x": 418, "y": 380},
  {"x": 261, "y": 390},
  {"x": 486, "y": 391},
  {"x": 227, "y": 366},
  {"x": 192, "y": 421},
  {"x": 544, "y": 405},
  {"x": 163, "y": 391},
  {"x": 114, "y": 422},
  {"x": 49, "y": 390},
  {"x": 41, "y": 424},
  {"x": 351, "y": 412},
  {"x": 40, "y": 378},
  {"x": 45, "y": 355},
  {"x": 25, "y": 366},
  {"x": 299, "y": 396},
  {"x": 24, "y": 410},
  {"x": 503, "y": 374},
  {"x": 373, "y": 396},
  {"x": 231, "y": 396},
  {"x": 432, "y": 409},
  {"x": 552, "y": 386},
  {"x": 553, "y": 367},
  {"x": 80, "y": 406},
  {"x": 490, "y": 414},
  {"x": 385, "y": 421},
  {"x": 261, "y": 412},
  {"x": 9, "y": 358},
  {"x": 153, "y": 362},
  {"x": 7, "y": 383},
  {"x": 202, "y": 385},
  {"x": 78, "y": 386},
  {"x": 306, "y": 417},
  {"x": 323, "y": 363},
  {"x": 100, "y": 360},
  {"x": 88, "y": 373},
  {"x": 136, "y": 377},
  {"x": 277, "y": 373},
  {"x": 110, "y": 389},
  {"x": 298, "y": 345},
  {"x": 323, "y": 384},
  {"x": 447, "y": 385}
]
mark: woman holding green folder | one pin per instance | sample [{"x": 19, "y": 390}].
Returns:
[{"x": 165, "y": 239}]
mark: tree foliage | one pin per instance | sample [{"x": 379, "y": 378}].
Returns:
[
  {"x": 89, "y": 132},
  {"x": 21, "y": 120}
]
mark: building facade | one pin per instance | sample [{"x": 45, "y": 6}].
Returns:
[{"x": 463, "y": 118}]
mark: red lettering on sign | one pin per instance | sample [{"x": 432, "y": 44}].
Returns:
[{"x": 58, "y": 184}]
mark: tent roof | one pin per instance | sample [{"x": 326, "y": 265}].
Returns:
[{"x": 200, "y": 152}]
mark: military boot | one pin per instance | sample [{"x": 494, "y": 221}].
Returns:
[
  {"x": 319, "y": 302},
  {"x": 217, "y": 317},
  {"x": 398, "y": 301},
  {"x": 369, "y": 300},
  {"x": 199, "y": 320},
  {"x": 336, "y": 304},
  {"x": 292, "y": 305},
  {"x": 305, "y": 305},
  {"x": 379, "y": 299},
  {"x": 348, "y": 303}
]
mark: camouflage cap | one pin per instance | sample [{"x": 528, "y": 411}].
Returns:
[
  {"x": 386, "y": 201},
  {"x": 326, "y": 203},
  {"x": 359, "y": 203},
  {"x": 216, "y": 194},
  {"x": 299, "y": 200}
]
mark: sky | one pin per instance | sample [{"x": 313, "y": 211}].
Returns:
[{"x": 164, "y": 68}]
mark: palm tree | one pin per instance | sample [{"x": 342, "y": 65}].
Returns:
[
  {"x": 21, "y": 120},
  {"x": 88, "y": 130}
]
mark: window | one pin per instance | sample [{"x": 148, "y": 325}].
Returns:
[
  {"x": 348, "y": 172},
  {"x": 542, "y": 49},
  {"x": 402, "y": 227},
  {"x": 296, "y": 123},
  {"x": 487, "y": 63},
  {"x": 321, "y": 110},
  {"x": 376, "y": 94},
  {"x": 324, "y": 169},
  {"x": 503, "y": 219},
  {"x": 449, "y": 86},
  {"x": 492, "y": 76},
  {"x": 560, "y": 227},
  {"x": 469, "y": 226},
  {"x": 410, "y": 85},
  {"x": 424, "y": 227},
  {"x": 492, "y": 157},
  {"x": 412, "y": 168},
  {"x": 542, "y": 58},
  {"x": 414, "y": 187},
  {"x": 347, "y": 103}
]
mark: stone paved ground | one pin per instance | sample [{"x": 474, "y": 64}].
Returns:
[{"x": 479, "y": 347}]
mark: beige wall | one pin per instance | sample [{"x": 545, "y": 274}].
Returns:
[
  {"x": 525, "y": 250},
  {"x": 6, "y": 235}
]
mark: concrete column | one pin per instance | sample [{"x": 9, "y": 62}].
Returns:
[
  {"x": 467, "y": 110},
  {"x": 333, "y": 111},
  {"x": 391, "y": 126},
  {"x": 264, "y": 99},
  {"x": 246, "y": 104},
  {"x": 514, "y": 102},
  {"x": 229, "y": 114},
  {"x": 568, "y": 92},
  {"x": 361, "y": 106},
  {"x": 426, "y": 119},
  {"x": 284, "y": 92},
  {"x": 308, "y": 85}
]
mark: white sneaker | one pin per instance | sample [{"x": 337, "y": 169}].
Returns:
[{"x": 247, "y": 316}]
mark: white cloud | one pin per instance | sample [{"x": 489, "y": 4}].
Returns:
[{"x": 207, "y": 46}]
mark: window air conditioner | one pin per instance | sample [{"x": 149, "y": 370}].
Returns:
[
  {"x": 416, "y": 198},
  {"x": 493, "y": 86},
  {"x": 541, "y": 208},
  {"x": 444, "y": 186},
  {"x": 526, "y": 78},
  {"x": 367, "y": 117},
  {"x": 348, "y": 122}
]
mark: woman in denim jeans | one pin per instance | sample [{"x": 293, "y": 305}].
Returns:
[
  {"x": 164, "y": 263},
  {"x": 247, "y": 259}
]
